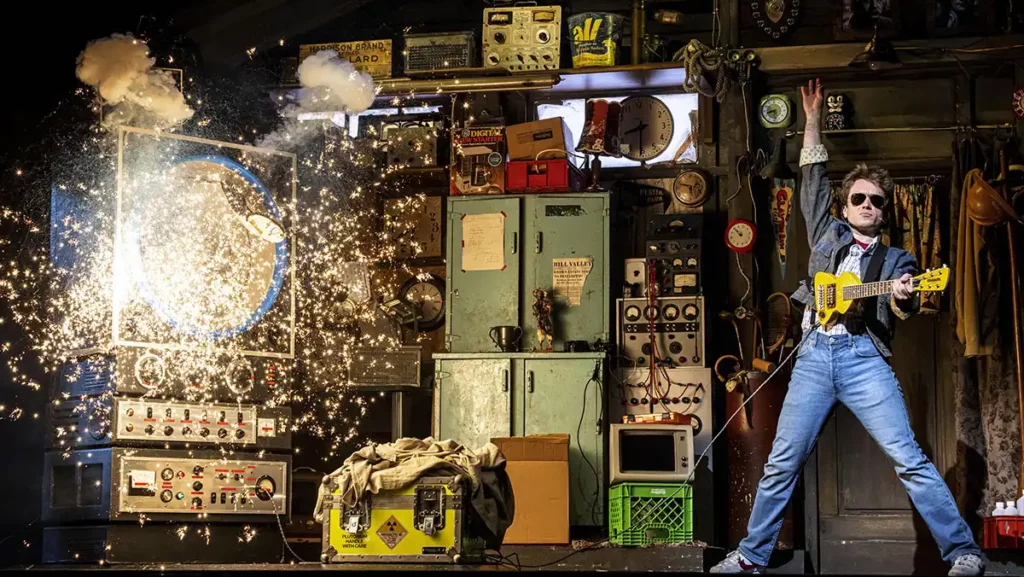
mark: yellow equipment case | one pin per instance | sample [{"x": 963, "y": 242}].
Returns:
[{"x": 428, "y": 522}]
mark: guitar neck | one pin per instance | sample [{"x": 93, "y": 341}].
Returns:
[{"x": 871, "y": 289}]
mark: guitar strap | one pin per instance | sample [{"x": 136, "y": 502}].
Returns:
[{"x": 872, "y": 274}]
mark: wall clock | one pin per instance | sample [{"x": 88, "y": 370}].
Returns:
[
  {"x": 740, "y": 235},
  {"x": 647, "y": 127},
  {"x": 426, "y": 293},
  {"x": 776, "y": 111},
  {"x": 690, "y": 188}
]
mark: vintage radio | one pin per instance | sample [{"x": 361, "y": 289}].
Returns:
[
  {"x": 122, "y": 543},
  {"x": 106, "y": 420},
  {"x": 432, "y": 52},
  {"x": 168, "y": 373},
  {"x": 427, "y": 522},
  {"x": 677, "y": 324},
  {"x": 478, "y": 160},
  {"x": 522, "y": 38},
  {"x": 674, "y": 246},
  {"x": 650, "y": 453},
  {"x": 120, "y": 484},
  {"x": 410, "y": 144}
]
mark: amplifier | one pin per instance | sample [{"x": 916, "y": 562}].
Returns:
[
  {"x": 432, "y": 52},
  {"x": 162, "y": 543},
  {"x": 122, "y": 484},
  {"x": 522, "y": 38},
  {"x": 678, "y": 330},
  {"x": 104, "y": 421},
  {"x": 168, "y": 373},
  {"x": 674, "y": 246}
]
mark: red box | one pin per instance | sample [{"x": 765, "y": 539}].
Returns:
[
  {"x": 1004, "y": 532},
  {"x": 548, "y": 175}
]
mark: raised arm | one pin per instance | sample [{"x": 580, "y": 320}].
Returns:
[{"x": 815, "y": 191}]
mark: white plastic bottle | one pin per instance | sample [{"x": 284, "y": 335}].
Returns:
[
  {"x": 1000, "y": 509},
  {"x": 1011, "y": 508}
]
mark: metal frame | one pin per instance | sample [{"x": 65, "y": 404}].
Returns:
[{"x": 115, "y": 333}]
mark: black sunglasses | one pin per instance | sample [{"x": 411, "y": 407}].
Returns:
[{"x": 858, "y": 198}]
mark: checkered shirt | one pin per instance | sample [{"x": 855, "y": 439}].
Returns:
[{"x": 850, "y": 264}]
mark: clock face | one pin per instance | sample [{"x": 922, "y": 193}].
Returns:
[
  {"x": 775, "y": 110},
  {"x": 427, "y": 295},
  {"x": 690, "y": 188},
  {"x": 740, "y": 235},
  {"x": 647, "y": 127}
]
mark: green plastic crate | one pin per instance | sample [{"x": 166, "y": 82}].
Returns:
[{"x": 646, "y": 513}]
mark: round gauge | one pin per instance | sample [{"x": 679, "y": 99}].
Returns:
[
  {"x": 673, "y": 247},
  {"x": 150, "y": 371},
  {"x": 425, "y": 293},
  {"x": 690, "y": 312},
  {"x": 265, "y": 487},
  {"x": 740, "y": 235},
  {"x": 240, "y": 376},
  {"x": 690, "y": 188},
  {"x": 670, "y": 313},
  {"x": 691, "y": 262},
  {"x": 647, "y": 127},
  {"x": 632, "y": 313},
  {"x": 651, "y": 313},
  {"x": 776, "y": 111}
]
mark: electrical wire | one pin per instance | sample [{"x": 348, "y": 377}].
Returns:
[
  {"x": 693, "y": 470},
  {"x": 284, "y": 538}
]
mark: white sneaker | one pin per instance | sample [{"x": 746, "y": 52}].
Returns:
[
  {"x": 968, "y": 564},
  {"x": 735, "y": 562}
]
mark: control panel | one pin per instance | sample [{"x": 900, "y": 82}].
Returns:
[
  {"x": 677, "y": 390},
  {"x": 165, "y": 485},
  {"x": 95, "y": 421},
  {"x": 674, "y": 249},
  {"x": 677, "y": 324},
  {"x": 522, "y": 38},
  {"x": 160, "y": 485},
  {"x": 180, "y": 374}
]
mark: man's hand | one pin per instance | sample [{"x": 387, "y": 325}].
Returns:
[
  {"x": 812, "y": 100},
  {"x": 903, "y": 289}
]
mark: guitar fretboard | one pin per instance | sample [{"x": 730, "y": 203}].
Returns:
[{"x": 871, "y": 289}]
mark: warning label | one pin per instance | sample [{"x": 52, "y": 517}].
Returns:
[{"x": 391, "y": 532}]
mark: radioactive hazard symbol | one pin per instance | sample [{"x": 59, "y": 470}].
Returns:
[{"x": 391, "y": 532}]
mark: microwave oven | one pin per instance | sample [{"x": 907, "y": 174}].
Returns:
[{"x": 645, "y": 452}]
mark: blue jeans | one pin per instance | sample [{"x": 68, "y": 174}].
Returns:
[{"x": 851, "y": 370}]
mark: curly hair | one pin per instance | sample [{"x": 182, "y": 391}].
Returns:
[{"x": 873, "y": 174}]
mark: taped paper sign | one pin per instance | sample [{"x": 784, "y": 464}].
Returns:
[
  {"x": 782, "y": 207},
  {"x": 483, "y": 241},
  {"x": 391, "y": 532},
  {"x": 568, "y": 277}
]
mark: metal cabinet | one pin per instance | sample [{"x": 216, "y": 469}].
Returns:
[
  {"x": 486, "y": 395},
  {"x": 538, "y": 229}
]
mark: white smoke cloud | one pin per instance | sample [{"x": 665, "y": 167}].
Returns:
[
  {"x": 329, "y": 84},
  {"x": 121, "y": 70}
]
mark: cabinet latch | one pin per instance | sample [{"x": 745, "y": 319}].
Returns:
[
  {"x": 429, "y": 509},
  {"x": 356, "y": 519}
]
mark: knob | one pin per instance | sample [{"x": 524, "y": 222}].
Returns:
[
  {"x": 197, "y": 502},
  {"x": 186, "y": 430},
  {"x": 237, "y": 476},
  {"x": 197, "y": 486},
  {"x": 543, "y": 36},
  {"x": 696, "y": 358},
  {"x": 222, "y": 433},
  {"x": 222, "y": 476},
  {"x": 675, "y": 347},
  {"x": 179, "y": 496},
  {"x": 149, "y": 429},
  {"x": 499, "y": 37},
  {"x": 167, "y": 474},
  {"x": 239, "y": 434},
  {"x": 166, "y": 496},
  {"x": 130, "y": 412},
  {"x": 204, "y": 432},
  {"x": 168, "y": 430},
  {"x": 129, "y": 427},
  {"x": 493, "y": 58},
  {"x": 197, "y": 470}
]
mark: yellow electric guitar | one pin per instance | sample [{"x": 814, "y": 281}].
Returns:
[{"x": 834, "y": 294}]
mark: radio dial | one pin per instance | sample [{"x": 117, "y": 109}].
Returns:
[
  {"x": 204, "y": 432},
  {"x": 222, "y": 433},
  {"x": 197, "y": 502},
  {"x": 197, "y": 470},
  {"x": 543, "y": 36},
  {"x": 167, "y": 474},
  {"x": 493, "y": 58},
  {"x": 149, "y": 429},
  {"x": 499, "y": 37},
  {"x": 186, "y": 431},
  {"x": 166, "y": 496},
  {"x": 168, "y": 430},
  {"x": 239, "y": 433}
]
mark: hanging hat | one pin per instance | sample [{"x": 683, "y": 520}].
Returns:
[{"x": 985, "y": 205}]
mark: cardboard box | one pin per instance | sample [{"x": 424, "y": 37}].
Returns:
[
  {"x": 526, "y": 141},
  {"x": 478, "y": 160},
  {"x": 538, "y": 467}
]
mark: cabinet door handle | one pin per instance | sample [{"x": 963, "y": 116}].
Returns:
[
  {"x": 529, "y": 381},
  {"x": 537, "y": 242},
  {"x": 515, "y": 242},
  {"x": 504, "y": 381}
]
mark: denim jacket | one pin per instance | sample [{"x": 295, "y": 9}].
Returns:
[{"x": 827, "y": 235}]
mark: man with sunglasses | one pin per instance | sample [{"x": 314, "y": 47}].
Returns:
[{"x": 847, "y": 361}]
